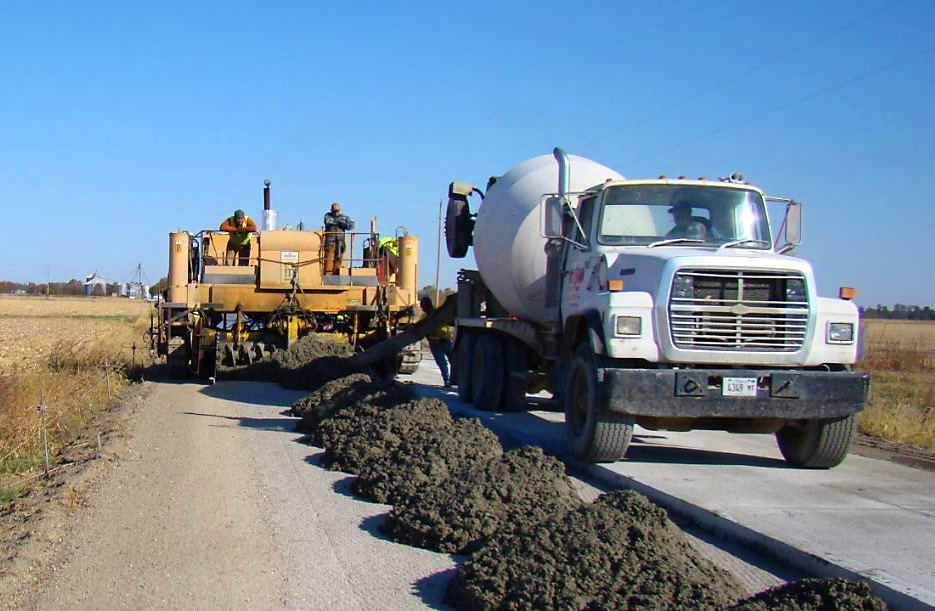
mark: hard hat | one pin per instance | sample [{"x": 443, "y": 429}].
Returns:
[
  {"x": 335, "y": 207},
  {"x": 239, "y": 215}
]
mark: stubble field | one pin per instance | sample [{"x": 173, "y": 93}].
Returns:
[
  {"x": 73, "y": 354},
  {"x": 900, "y": 356}
]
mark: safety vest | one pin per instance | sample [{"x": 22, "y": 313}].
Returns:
[
  {"x": 240, "y": 238},
  {"x": 390, "y": 244}
]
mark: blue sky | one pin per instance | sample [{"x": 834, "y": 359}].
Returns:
[{"x": 122, "y": 121}]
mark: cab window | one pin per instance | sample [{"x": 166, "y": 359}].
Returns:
[{"x": 585, "y": 214}]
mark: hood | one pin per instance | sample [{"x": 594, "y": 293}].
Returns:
[{"x": 650, "y": 269}]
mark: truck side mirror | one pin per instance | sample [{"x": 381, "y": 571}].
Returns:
[
  {"x": 793, "y": 224},
  {"x": 551, "y": 216}
]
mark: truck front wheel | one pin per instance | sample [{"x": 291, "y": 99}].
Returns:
[
  {"x": 818, "y": 444},
  {"x": 596, "y": 435}
]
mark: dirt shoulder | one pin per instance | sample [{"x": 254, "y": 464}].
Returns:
[
  {"x": 901, "y": 453},
  {"x": 32, "y": 526}
]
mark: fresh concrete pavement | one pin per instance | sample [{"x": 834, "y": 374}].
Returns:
[{"x": 866, "y": 518}]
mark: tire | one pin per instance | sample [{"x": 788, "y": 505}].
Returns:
[
  {"x": 462, "y": 371},
  {"x": 819, "y": 444},
  {"x": 595, "y": 435},
  {"x": 487, "y": 375},
  {"x": 516, "y": 360},
  {"x": 458, "y": 228}
]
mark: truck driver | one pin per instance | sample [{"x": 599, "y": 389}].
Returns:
[{"x": 685, "y": 225}]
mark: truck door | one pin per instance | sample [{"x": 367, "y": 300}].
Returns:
[{"x": 578, "y": 256}]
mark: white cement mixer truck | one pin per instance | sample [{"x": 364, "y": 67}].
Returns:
[{"x": 666, "y": 303}]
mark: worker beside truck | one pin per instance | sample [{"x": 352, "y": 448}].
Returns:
[{"x": 439, "y": 342}]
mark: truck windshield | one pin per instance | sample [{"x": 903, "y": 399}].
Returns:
[{"x": 664, "y": 214}]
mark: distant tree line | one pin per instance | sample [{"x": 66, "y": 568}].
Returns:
[
  {"x": 899, "y": 311},
  {"x": 72, "y": 287},
  {"x": 429, "y": 291}
]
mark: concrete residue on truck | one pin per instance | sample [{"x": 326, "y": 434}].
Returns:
[{"x": 665, "y": 303}]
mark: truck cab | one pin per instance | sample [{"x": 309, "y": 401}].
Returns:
[{"x": 680, "y": 301}]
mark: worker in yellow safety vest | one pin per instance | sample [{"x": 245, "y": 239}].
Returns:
[
  {"x": 239, "y": 226},
  {"x": 439, "y": 341},
  {"x": 389, "y": 252}
]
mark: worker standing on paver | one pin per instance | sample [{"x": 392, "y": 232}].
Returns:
[
  {"x": 239, "y": 226},
  {"x": 335, "y": 226},
  {"x": 439, "y": 341},
  {"x": 389, "y": 252}
]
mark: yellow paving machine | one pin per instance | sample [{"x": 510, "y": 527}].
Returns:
[{"x": 215, "y": 311}]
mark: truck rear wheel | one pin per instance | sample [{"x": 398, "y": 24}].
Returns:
[
  {"x": 819, "y": 444},
  {"x": 596, "y": 435},
  {"x": 516, "y": 358},
  {"x": 487, "y": 375},
  {"x": 464, "y": 357}
]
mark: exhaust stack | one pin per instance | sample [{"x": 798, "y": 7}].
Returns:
[{"x": 270, "y": 217}]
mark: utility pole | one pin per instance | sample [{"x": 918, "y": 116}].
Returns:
[
  {"x": 48, "y": 292},
  {"x": 438, "y": 256}
]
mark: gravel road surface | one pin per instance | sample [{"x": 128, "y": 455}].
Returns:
[{"x": 216, "y": 505}]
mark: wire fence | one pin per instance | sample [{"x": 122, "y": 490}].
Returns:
[{"x": 47, "y": 420}]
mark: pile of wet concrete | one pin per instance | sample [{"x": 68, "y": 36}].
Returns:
[
  {"x": 532, "y": 542},
  {"x": 307, "y": 364}
]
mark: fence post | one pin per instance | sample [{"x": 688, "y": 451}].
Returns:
[
  {"x": 107, "y": 378},
  {"x": 45, "y": 433}
]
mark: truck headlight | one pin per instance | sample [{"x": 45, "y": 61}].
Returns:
[
  {"x": 628, "y": 325},
  {"x": 683, "y": 287},
  {"x": 840, "y": 333}
]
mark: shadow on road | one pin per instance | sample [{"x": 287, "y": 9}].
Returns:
[
  {"x": 277, "y": 425},
  {"x": 256, "y": 393},
  {"x": 650, "y": 453},
  {"x": 372, "y": 525},
  {"x": 431, "y": 589}
]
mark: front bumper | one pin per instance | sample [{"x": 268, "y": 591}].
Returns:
[{"x": 696, "y": 393}]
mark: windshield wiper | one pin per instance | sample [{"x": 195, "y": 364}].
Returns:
[
  {"x": 674, "y": 241},
  {"x": 744, "y": 241}
]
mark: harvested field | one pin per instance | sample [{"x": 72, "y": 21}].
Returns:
[
  {"x": 620, "y": 552},
  {"x": 814, "y": 595},
  {"x": 490, "y": 499},
  {"x": 74, "y": 353},
  {"x": 30, "y": 327},
  {"x": 900, "y": 356}
]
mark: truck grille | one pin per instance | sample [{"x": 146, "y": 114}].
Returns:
[{"x": 756, "y": 311}]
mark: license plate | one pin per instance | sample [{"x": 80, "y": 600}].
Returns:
[{"x": 739, "y": 387}]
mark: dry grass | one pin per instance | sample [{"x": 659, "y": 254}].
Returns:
[
  {"x": 901, "y": 360},
  {"x": 74, "y": 354}
]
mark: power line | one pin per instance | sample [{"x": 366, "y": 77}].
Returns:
[
  {"x": 786, "y": 104},
  {"x": 742, "y": 75}
]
